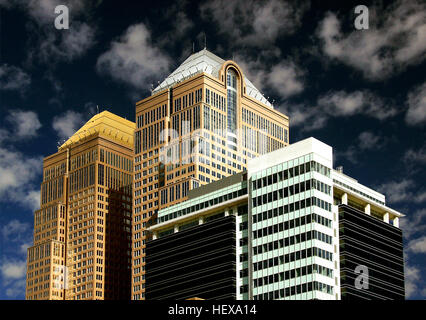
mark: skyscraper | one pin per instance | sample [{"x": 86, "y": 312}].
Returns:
[
  {"x": 202, "y": 123},
  {"x": 291, "y": 227},
  {"x": 82, "y": 232}
]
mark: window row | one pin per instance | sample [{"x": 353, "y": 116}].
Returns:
[
  {"x": 116, "y": 160},
  {"x": 261, "y": 123},
  {"x": 151, "y": 116},
  {"x": 204, "y": 204},
  {"x": 291, "y": 274},
  {"x": 215, "y": 100},
  {"x": 290, "y": 191},
  {"x": 290, "y": 173},
  {"x": 298, "y": 289},
  {"x": 293, "y": 256}
]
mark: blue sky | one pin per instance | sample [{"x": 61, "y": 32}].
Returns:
[{"x": 361, "y": 91}]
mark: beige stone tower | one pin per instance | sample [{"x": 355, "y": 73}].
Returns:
[{"x": 82, "y": 232}]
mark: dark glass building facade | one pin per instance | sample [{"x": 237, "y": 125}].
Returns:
[
  {"x": 198, "y": 261},
  {"x": 377, "y": 245}
]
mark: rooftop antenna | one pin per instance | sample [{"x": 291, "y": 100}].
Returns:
[
  {"x": 193, "y": 47},
  {"x": 205, "y": 41},
  {"x": 97, "y": 108}
]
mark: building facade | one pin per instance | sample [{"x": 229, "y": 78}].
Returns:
[
  {"x": 368, "y": 243},
  {"x": 201, "y": 124},
  {"x": 82, "y": 232},
  {"x": 200, "y": 256},
  {"x": 298, "y": 226}
]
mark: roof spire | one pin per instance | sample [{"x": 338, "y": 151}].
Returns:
[
  {"x": 205, "y": 41},
  {"x": 193, "y": 47}
]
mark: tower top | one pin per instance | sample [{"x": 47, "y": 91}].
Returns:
[
  {"x": 207, "y": 62},
  {"x": 106, "y": 124}
]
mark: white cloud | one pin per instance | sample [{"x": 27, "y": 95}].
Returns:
[
  {"x": 414, "y": 224},
  {"x": 416, "y": 156},
  {"x": 67, "y": 123},
  {"x": 284, "y": 78},
  {"x": 368, "y": 140},
  {"x": 13, "y": 78},
  {"x": 420, "y": 197},
  {"x": 178, "y": 24},
  {"x": 13, "y": 269},
  {"x": 397, "y": 191},
  {"x": 32, "y": 198},
  {"x": 13, "y": 272},
  {"x": 416, "y": 114},
  {"x": 307, "y": 117},
  {"x": 417, "y": 245},
  {"x": 342, "y": 103},
  {"x": 16, "y": 289},
  {"x": 133, "y": 59},
  {"x": 404, "y": 190},
  {"x": 338, "y": 104},
  {"x": 350, "y": 154},
  {"x": 18, "y": 236},
  {"x": 24, "y": 246},
  {"x": 72, "y": 43},
  {"x": 260, "y": 24},
  {"x": 18, "y": 172},
  {"x": 16, "y": 169},
  {"x": 25, "y": 123},
  {"x": 396, "y": 39},
  {"x": 412, "y": 278},
  {"x": 12, "y": 230},
  {"x": 254, "y": 23}
]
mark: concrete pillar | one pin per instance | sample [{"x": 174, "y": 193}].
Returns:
[
  {"x": 367, "y": 209},
  {"x": 226, "y": 212},
  {"x": 234, "y": 211},
  {"x": 154, "y": 235},
  {"x": 396, "y": 222},
  {"x": 200, "y": 220},
  {"x": 345, "y": 198},
  {"x": 176, "y": 228},
  {"x": 386, "y": 217}
]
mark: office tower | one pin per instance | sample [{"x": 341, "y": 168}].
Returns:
[
  {"x": 82, "y": 232},
  {"x": 202, "y": 123},
  {"x": 294, "y": 228},
  {"x": 368, "y": 241}
]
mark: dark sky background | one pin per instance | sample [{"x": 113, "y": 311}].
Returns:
[{"x": 361, "y": 91}]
